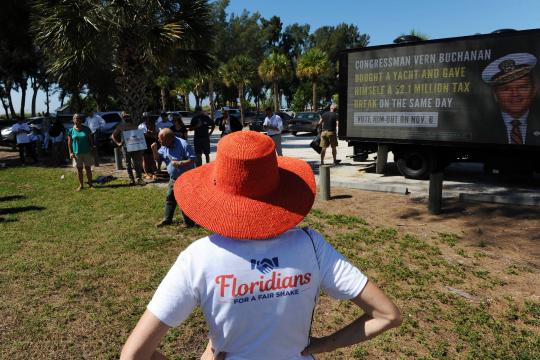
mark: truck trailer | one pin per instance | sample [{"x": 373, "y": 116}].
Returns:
[{"x": 473, "y": 98}]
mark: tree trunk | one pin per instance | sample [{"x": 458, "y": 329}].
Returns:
[
  {"x": 6, "y": 109},
  {"x": 211, "y": 91},
  {"x": 35, "y": 88},
  {"x": 187, "y": 102},
  {"x": 275, "y": 93},
  {"x": 197, "y": 100},
  {"x": 10, "y": 101},
  {"x": 47, "y": 101},
  {"x": 240, "y": 98},
  {"x": 131, "y": 80},
  {"x": 23, "y": 85},
  {"x": 164, "y": 98},
  {"x": 314, "y": 95}
]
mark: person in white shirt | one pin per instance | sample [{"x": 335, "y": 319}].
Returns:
[
  {"x": 95, "y": 123},
  {"x": 22, "y": 131},
  {"x": 257, "y": 278},
  {"x": 274, "y": 126}
]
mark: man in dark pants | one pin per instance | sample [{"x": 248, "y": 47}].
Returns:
[
  {"x": 203, "y": 127},
  {"x": 178, "y": 156}
]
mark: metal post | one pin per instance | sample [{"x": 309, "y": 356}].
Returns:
[
  {"x": 96, "y": 157},
  {"x": 435, "y": 193},
  {"x": 118, "y": 158},
  {"x": 382, "y": 157},
  {"x": 324, "y": 182}
]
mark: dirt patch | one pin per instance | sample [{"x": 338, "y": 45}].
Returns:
[{"x": 503, "y": 239}]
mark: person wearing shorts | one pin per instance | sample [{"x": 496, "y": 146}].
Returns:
[
  {"x": 80, "y": 147},
  {"x": 328, "y": 124}
]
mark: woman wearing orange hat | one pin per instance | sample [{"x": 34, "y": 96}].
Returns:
[{"x": 257, "y": 278}]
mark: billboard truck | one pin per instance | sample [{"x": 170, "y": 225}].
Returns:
[{"x": 474, "y": 98}]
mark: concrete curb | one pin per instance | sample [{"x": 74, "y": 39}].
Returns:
[{"x": 529, "y": 200}]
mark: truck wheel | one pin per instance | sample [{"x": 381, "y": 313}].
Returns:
[{"x": 414, "y": 164}]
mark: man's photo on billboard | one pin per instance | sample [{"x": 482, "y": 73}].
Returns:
[{"x": 512, "y": 82}]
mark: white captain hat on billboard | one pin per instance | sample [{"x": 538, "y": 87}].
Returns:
[{"x": 508, "y": 68}]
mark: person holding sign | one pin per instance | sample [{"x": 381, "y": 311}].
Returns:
[
  {"x": 131, "y": 139},
  {"x": 257, "y": 282},
  {"x": 80, "y": 147}
]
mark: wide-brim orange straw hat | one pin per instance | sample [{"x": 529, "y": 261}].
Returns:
[{"x": 247, "y": 192}]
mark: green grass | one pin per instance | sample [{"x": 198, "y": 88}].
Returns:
[{"x": 77, "y": 270}]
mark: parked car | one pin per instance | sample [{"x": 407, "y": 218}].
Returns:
[
  {"x": 304, "y": 122},
  {"x": 257, "y": 123},
  {"x": 233, "y": 112},
  {"x": 186, "y": 116},
  {"x": 112, "y": 119},
  {"x": 7, "y": 137}
]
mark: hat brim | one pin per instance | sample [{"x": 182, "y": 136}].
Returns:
[{"x": 241, "y": 217}]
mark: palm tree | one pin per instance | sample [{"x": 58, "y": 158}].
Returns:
[
  {"x": 137, "y": 34},
  {"x": 272, "y": 69},
  {"x": 312, "y": 65},
  {"x": 238, "y": 72}
]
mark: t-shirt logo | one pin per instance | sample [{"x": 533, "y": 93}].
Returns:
[{"x": 265, "y": 265}]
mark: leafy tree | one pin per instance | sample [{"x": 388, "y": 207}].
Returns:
[
  {"x": 238, "y": 72},
  {"x": 271, "y": 29},
  {"x": 332, "y": 40},
  {"x": 312, "y": 65},
  {"x": 138, "y": 34},
  {"x": 272, "y": 69},
  {"x": 18, "y": 58}
]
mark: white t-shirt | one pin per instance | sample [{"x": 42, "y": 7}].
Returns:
[
  {"x": 21, "y": 131},
  {"x": 94, "y": 122},
  {"x": 257, "y": 295},
  {"x": 274, "y": 121}
]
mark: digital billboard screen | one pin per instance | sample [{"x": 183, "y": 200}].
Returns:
[{"x": 477, "y": 90}]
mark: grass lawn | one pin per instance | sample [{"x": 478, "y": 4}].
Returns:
[{"x": 77, "y": 270}]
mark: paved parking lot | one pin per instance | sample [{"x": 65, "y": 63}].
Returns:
[{"x": 460, "y": 178}]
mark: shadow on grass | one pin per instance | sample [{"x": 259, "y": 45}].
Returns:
[
  {"x": 337, "y": 197},
  {"x": 11, "y": 197},
  {"x": 16, "y": 210}
]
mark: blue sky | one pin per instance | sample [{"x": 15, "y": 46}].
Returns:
[{"x": 384, "y": 20}]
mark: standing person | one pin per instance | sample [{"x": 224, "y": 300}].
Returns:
[
  {"x": 178, "y": 128},
  {"x": 236, "y": 274},
  {"x": 179, "y": 158},
  {"x": 274, "y": 126},
  {"x": 57, "y": 133},
  {"x": 228, "y": 123},
  {"x": 80, "y": 146},
  {"x": 150, "y": 136},
  {"x": 203, "y": 127},
  {"x": 133, "y": 158},
  {"x": 94, "y": 122},
  {"x": 164, "y": 121},
  {"x": 21, "y": 129},
  {"x": 328, "y": 123}
]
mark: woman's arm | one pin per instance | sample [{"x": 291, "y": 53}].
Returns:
[
  {"x": 145, "y": 338},
  {"x": 70, "y": 151},
  {"x": 380, "y": 314}
]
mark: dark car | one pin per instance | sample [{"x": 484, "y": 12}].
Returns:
[
  {"x": 304, "y": 122},
  {"x": 257, "y": 123}
]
